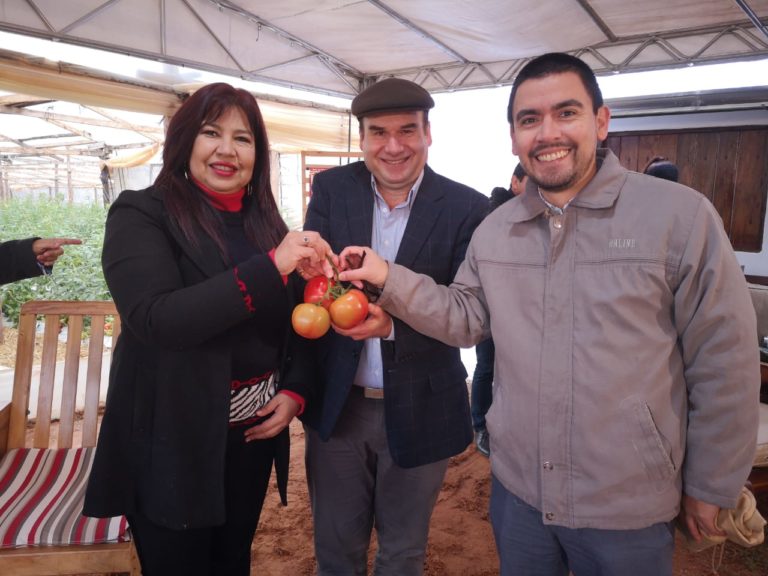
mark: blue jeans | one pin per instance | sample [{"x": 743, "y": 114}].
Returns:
[
  {"x": 528, "y": 547},
  {"x": 482, "y": 381}
]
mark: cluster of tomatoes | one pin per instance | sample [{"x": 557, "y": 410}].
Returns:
[{"x": 326, "y": 301}]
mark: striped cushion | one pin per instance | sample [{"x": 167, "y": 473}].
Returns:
[{"x": 41, "y": 500}]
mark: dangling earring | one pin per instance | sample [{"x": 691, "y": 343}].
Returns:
[{"x": 249, "y": 189}]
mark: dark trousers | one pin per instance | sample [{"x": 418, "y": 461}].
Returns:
[
  {"x": 354, "y": 486},
  {"x": 219, "y": 550},
  {"x": 482, "y": 381}
]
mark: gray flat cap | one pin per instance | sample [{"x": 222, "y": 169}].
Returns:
[{"x": 391, "y": 95}]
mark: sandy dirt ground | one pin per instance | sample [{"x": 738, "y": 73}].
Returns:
[{"x": 460, "y": 540}]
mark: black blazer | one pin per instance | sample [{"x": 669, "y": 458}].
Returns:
[
  {"x": 17, "y": 260},
  {"x": 425, "y": 390},
  {"x": 162, "y": 440}
]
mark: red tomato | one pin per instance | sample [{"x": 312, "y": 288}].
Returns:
[
  {"x": 349, "y": 309},
  {"x": 316, "y": 291},
  {"x": 310, "y": 320}
]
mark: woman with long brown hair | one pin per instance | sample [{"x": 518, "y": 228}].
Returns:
[{"x": 207, "y": 373}]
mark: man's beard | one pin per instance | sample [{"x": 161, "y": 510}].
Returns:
[
  {"x": 553, "y": 185},
  {"x": 556, "y": 182}
]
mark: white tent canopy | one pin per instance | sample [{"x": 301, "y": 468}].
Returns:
[
  {"x": 60, "y": 122},
  {"x": 335, "y": 47},
  {"x": 339, "y": 46}
]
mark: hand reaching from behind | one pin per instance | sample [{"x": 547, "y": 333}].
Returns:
[{"x": 48, "y": 250}]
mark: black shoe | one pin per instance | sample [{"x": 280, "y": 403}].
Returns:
[{"x": 483, "y": 442}]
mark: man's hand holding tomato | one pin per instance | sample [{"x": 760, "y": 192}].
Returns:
[{"x": 378, "y": 324}]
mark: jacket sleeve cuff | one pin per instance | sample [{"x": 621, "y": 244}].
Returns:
[
  {"x": 272, "y": 257},
  {"x": 258, "y": 281}
]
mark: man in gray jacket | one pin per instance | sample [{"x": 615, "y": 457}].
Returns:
[{"x": 627, "y": 372}]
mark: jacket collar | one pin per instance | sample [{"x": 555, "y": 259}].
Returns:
[
  {"x": 205, "y": 255},
  {"x": 360, "y": 206},
  {"x": 599, "y": 193},
  {"x": 425, "y": 213}
]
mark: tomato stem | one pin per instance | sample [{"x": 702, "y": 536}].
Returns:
[{"x": 335, "y": 270}]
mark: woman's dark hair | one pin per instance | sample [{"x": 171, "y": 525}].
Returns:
[
  {"x": 557, "y": 63},
  {"x": 187, "y": 205}
]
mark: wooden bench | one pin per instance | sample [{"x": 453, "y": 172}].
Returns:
[{"x": 48, "y": 453}]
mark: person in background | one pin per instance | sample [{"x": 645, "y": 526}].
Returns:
[
  {"x": 518, "y": 183},
  {"x": 661, "y": 168},
  {"x": 482, "y": 378},
  {"x": 207, "y": 373},
  {"x": 627, "y": 376},
  {"x": 393, "y": 403},
  {"x": 20, "y": 259}
]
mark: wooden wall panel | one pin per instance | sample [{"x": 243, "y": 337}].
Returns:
[
  {"x": 685, "y": 158},
  {"x": 614, "y": 143},
  {"x": 651, "y": 145},
  {"x": 751, "y": 174},
  {"x": 705, "y": 164},
  {"x": 724, "y": 180},
  {"x": 728, "y": 165},
  {"x": 628, "y": 153}
]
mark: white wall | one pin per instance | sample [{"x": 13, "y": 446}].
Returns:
[{"x": 470, "y": 138}]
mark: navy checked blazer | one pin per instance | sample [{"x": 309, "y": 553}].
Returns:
[{"x": 425, "y": 391}]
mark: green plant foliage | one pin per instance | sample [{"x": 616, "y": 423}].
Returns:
[{"x": 77, "y": 274}]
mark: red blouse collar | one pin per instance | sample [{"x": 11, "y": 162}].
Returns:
[{"x": 232, "y": 202}]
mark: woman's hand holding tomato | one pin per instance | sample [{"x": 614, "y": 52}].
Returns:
[{"x": 306, "y": 252}]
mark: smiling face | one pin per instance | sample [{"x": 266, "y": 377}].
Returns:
[
  {"x": 224, "y": 153},
  {"x": 395, "y": 150},
  {"x": 555, "y": 134}
]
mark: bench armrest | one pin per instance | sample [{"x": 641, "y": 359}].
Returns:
[{"x": 5, "y": 423}]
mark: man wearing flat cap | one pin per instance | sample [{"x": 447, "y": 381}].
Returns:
[{"x": 393, "y": 404}]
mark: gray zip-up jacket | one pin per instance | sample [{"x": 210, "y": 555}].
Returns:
[{"x": 627, "y": 366}]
